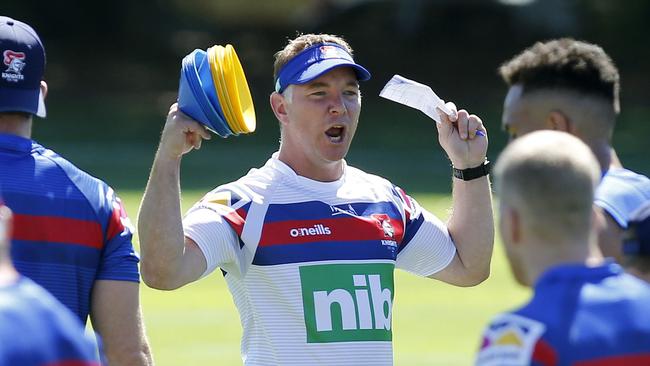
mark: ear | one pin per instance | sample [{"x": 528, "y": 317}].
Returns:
[
  {"x": 279, "y": 107},
  {"x": 511, "y": 225},
  {"x": 558, "y": 121},
  {"x": 44, "y": 89}
]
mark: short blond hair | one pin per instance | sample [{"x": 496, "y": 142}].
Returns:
[{"x": 550, "y": 178}]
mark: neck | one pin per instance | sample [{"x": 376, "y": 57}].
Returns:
[
  {"x": 615, "y": 162},
  {"x": 603, "y": 152},
  {"x": 311, "y": 167},
  {"x": 326, "y": 172},
  {"x": 16, "y": 124},
  {"x": 543, "y": 256},
  {"x": 8, "y": 274}
]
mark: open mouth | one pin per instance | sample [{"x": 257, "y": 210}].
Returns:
[{"x": 335, "y": 133}]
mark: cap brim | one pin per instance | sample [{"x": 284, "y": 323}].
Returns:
[
  {"x": 40, "y": 111},
  {"x": 317, "y": 69},
  {"x": 22, "y": 100}
]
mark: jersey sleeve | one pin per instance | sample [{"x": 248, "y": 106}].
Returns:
[
  {"x": 427, "y": 246},
  {"x": 119, "y": 258},
  {"x": 620, "y": 193},
  {"x": 215, "y": 224}
]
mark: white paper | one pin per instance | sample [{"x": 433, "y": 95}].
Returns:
[{"x": 415, "y": 95}]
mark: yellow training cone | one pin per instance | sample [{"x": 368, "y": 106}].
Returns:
[{"x": 238, "y": 92}]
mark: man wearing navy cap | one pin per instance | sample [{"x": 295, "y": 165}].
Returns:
[
  {"x": 573, "y": 86},
  {"x": 71, "y": 234},
  {"x": 636, "y": 243},
  {"x": 35, "y": 328},
  {"x": 307, "y": 244}
]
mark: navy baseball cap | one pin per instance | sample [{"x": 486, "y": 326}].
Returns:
[
  {"x": 313, "y": 62},
  {"x": 22, "y": 65},
  {"x": 637, "y": 236}
]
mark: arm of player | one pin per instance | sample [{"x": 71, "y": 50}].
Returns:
[
  {"x": 116, "y": 317},
  {"x": 471, "y": 224},
  {"x": 169, "y": 260}
]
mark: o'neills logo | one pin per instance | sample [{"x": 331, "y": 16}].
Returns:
[{"x": 318, "y": 229}]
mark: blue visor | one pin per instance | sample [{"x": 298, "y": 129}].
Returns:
[{"x": 313, "y": 62}]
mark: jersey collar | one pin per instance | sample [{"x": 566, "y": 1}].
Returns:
[
  {"x": 288, "y": 172},
  {"x": 579, "y": 272},
  {"x": 9, "y": 142}
]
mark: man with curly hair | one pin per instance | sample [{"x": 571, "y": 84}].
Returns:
[{"x": 573, "y": 86}]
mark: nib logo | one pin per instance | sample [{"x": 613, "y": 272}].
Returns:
[{"x": 347, "y": 302}]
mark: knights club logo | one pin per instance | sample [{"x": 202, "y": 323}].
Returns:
[
  {"x": 384, "y": 222},
  {"x": 15, "y": 62},
  {"x": 332, "y": 52}
]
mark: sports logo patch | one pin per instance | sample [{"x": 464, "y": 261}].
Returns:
[
  {"x": 347, "y": 302},
  {"x": 333, "y": 52},
  {"x": 343, "y": 211},
  {"x": 509, "y": 340},
  {"x": 218, "y": 198},
  {"x": 15, "y": 62},
  {"x": 384, "y": 223}
]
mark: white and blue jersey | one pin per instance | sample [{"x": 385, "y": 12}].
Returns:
[
  {"x": 621, "y": 192},
  {"x": 37, "y": 330},
  {"x": 310, "y": 264},
  {"x": 578, "y": 316}
]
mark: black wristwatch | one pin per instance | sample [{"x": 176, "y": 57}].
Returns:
[{"x": 473, "y": 173}]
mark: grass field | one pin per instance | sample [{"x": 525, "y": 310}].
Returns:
[{"x": 433, "y": 323}]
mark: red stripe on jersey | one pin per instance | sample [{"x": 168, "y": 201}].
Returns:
[
  {"x": 74, "y": 363},
  {"x": 237, "y": 219},
  {"x": 407, "y": 201},
  {"x": 627, "y": 360},
  {"x": 58, "y": 230},
  {"x": 375, "y": 227},
  {"x": 544, "y": 353},
  {"x": 405, "y": 198},
  {"x": 115, "y": 226}
]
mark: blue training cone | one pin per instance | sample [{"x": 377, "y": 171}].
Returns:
[
  {"x": 192, "y": 99},
  {"x": 217, "y": 123},
  {"x": 207, "y": 84},
  {"x": 186, "y": 100}
]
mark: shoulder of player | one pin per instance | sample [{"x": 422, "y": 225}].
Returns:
[
  {"x": 96, "y": 191},
  {"x": 515, "y": 338},
  {"x": 356, "y": 175},
  {"x": 254, "y": 186},
  {"x": 620, "y": 180},
  {"x": 34, "y": 305}
]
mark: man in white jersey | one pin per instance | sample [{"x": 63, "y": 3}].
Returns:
[{"x": 308, "y": 245}]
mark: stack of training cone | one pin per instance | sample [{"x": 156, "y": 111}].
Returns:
[{"x": 213, "y": 90}]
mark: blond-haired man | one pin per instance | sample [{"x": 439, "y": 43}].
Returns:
[
  {"x": 584, "y": 310},
  {"x": 308, "y": 244}
]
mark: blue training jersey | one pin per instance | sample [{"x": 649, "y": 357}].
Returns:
[
  {"x": 70, "y": 228},
  {"x": 36, "y": 330},
  {"x": 578, "y": 316},
  {"x": 621, "y": 192}
]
